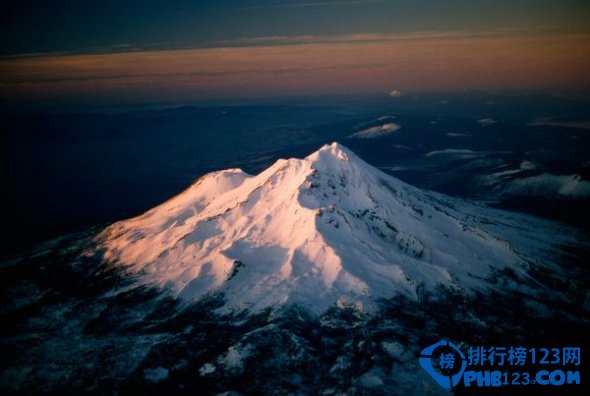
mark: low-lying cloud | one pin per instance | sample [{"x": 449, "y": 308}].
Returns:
[
  {"x": 486, "y": 121},
  {"x": 578, "y": 124},
  {"x": 376, "y": 131},
  {"x": 459, "y": 153},
  {"x": 547, "y": 185},
  {"x": 454, "y": 134},
  {"x": 395, "y": 94}
]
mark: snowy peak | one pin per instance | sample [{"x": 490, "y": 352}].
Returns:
[
  {"x": 312, "y": 231},
  {"x": 339, "y": 160},
  {"x": 330, "y": 153}
]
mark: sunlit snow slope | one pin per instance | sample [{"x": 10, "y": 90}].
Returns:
[{"x": 317, "y": 231}]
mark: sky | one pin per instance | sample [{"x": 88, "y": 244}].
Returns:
[{"x": 154, "y": 51}]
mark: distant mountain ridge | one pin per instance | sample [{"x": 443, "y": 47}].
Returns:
[{"x": 327, "y": 229}]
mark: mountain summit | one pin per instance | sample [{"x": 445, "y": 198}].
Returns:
[{"x": 323, "y": 230}]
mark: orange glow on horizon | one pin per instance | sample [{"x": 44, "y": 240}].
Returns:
[{"x": 361, "y": 64}]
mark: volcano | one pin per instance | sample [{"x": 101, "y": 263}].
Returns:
[{"x": 323, "y": 230}]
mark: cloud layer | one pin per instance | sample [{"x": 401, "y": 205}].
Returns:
[
  {"x": 395, "y": 93},
  {"x": 307, "y": 65},
  {"x": 376, "y": 131},
  {"x": 455, "y": 153},
  {"x": 548, "y": 184},
  {"x": 486, "y": 121},
  {"x": 578, "y": 124}
]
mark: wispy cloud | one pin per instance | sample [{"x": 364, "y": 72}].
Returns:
[
  {"x": 454, "y": 153},
  {"x": 455, "y": 134},
  {"x": 461, "y": 153},
  {"x": 376, "y": 131},
  {"x": 486, "y": 121},
  {"x": 578, "y": 124},
  {"x": 395, "y": 93},
  {"x": 548, "y": 185},
  {"x": 381, "y": 37},
  {"x": 305, "y": 65}
]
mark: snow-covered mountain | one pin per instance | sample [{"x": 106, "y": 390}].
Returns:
[{"x": 327, "y": 229}]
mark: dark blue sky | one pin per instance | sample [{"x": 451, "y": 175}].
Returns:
[{"x": 111, "y": 25}]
